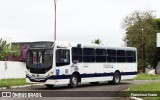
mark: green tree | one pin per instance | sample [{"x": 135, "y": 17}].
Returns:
[
  {"x": 2, "y": 44},
  {"x": 97, "y": 41},
  {"x": 157, "y": 21},
  {"x": 7, "y": 51},
  {"x": 14, "y": 53},
  {"x": 4, "y": 49},
  {"x": 141, "y": 28}
]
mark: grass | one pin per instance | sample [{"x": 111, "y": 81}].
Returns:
[
  {"x": 154, "y": 86},
  {"x": 12, "y": 82},
  {"x": 146, "y": 88},
  {"x": 143, "y": 76}
]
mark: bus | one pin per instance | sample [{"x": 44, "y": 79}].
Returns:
[{"x": 58, "y": 63}]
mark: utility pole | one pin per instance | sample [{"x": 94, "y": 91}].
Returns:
[
  {"x": 142, "y": 44},
  {"x": 55, "y": 21},
  {"x": 142, "y": 53}
]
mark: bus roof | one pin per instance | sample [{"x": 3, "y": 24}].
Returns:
[
  {"x": 66, "y": 44},
  {"x": 62, "y": 43}
]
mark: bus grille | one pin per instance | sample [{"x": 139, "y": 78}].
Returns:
[{"x": 39, "y": 71}]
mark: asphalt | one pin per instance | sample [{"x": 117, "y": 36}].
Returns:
[{"x": 84, "y": 90}]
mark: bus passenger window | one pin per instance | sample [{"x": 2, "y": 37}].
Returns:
[
  {"x": 77, "y": 54},
  {"x": 88, "y": 55},
  {"x": 130, "y": 56},
  {"x": 62, "y": 57},
  {"x": 111, "y": 55},
  {"x": 121, "y": 56},
  {"x": 100, "y": 55}
]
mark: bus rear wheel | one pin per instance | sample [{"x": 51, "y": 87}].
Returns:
[
  {"x": 116, "y": 79},
  {"x": 73, "y": 81}
]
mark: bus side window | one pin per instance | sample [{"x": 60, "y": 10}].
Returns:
[
  {"x": 134, "y": 56},
  {"x": 88, "y": 55},
  {"x": 121, "y": 56},
  {"x": 130, "y": 56},
  {"x": 100, "y": 55},
  {"x": 111, "y": 55},
  {"x": 76, "y": 54},
  {"x": 62, "y": 57}
]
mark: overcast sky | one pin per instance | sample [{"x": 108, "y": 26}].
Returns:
[{"x": 77, "y": 20}]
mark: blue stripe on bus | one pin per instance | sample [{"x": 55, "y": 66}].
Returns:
[
  {"x": 88, "y": 75},
  {"x": 96, "y": 75},
  {"x": 128, "y": 73},
  {"x": 91, "y": 75},
  {"x": 59, "y": 77}
]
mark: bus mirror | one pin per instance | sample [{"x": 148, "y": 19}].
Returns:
[{"x": 75, "y": 61}]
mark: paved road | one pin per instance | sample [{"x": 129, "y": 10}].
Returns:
[{"x": 83, "y": 87}]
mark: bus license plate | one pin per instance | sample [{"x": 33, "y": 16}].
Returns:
[{"x": 37, "y": 79}]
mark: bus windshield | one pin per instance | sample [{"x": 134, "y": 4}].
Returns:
[{"x": 39, "y": 60}]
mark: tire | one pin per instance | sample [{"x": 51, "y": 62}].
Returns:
[
  {"x": 49, "y": 86},
  {"x": 116, "y": 79},
  {"x": 73, "y": 81},
  {"x": 94, "y": 83}
]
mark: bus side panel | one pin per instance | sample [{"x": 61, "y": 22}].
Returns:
[
  {"x": 97, "y": 79},
  {"x": 104, "y": 71},
  {"x": 57, "y": 81},
  {"x": 127, "y": 70}
]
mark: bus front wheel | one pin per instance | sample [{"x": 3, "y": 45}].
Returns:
[{"x": 73, "y": 81}]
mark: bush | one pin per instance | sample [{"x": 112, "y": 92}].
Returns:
[
  {"x": 3, "y": 44},
  {"x": 4, "y": 53},
  {"x": 12, "y": 53},
  {"x": 4, "y": 49}
]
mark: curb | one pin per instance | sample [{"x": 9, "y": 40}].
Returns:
[
  {"x": 2, "y": 88},
  {"x": 21, "y": 86}
]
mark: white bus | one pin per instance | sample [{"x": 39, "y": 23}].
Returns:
[{"x": 56, "y": 63}]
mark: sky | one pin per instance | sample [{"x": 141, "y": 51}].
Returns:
[{"x": 77, "y": 20}]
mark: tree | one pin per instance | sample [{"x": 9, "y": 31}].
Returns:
[
  {"x": 9, "y": 52},
  {"x": 4, "y": 49},
  {"x": 3, "y": 44},
  {"x": 157, "y": 21},
  {"x": 141, "y": 29},
  {"x": 97, "y": 41},
  {"x": 14, "y": 53}
]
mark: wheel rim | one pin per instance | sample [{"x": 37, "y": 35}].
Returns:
[
  {"x": 116, "y": 78},
  {"x": 74, "y": 81}
]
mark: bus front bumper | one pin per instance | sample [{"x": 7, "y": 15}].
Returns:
[
  {"x": 30, "y": 79},
  {"x": 47, "y": 80}
]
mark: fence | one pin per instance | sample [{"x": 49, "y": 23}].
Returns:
[{"x": 12, "y": 69}]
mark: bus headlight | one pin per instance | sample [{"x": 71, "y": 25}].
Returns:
[{"x": 51, "y": 73}]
